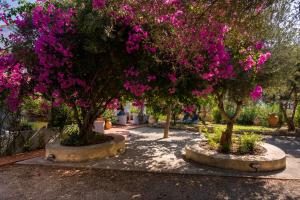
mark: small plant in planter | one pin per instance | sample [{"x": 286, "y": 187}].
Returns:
[
  {"x": 248, "y": 143},
  {"x": 70, "y": 137}
]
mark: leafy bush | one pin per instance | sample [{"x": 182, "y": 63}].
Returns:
[
  {"x": 297, "y": 116},
  {"x": 248, "y": 142},
  {"x": 70, "y": 135},
  {"x": 32, "y": 107},
  {"x": 214, "y": 138},
  {"x": 60, "y": 117},
  {"x": 217, "y": 116},
  {"x": 247, "y": 116}
]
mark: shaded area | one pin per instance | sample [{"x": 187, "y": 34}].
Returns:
[
  {"x": 41, "y": 182},
  {"x": 290, "y": 145}
]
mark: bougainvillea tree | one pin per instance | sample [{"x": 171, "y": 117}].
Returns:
[
  {"x": 208, "y": 48},
  {"x": 74, "y": 53}
]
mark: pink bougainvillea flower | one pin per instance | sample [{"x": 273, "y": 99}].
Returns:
[
  {"x": 256, "y": 93},
  {"x": 99, "y": 4}
]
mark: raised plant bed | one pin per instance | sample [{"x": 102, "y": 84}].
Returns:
[
  {"x": 273, "y": 159},
  {"x": 59, "y": 153}
]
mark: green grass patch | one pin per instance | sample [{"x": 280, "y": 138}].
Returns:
[
  {"x": 37, "y": 125},
  {"x": 245, "y": 128}
]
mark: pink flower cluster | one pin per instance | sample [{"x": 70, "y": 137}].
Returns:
[
  {"x": 250, "y": 63},
  {"x": 256, "y": 93},
  {"x": 12, "y": 77},
  {"x": 55, "y": 54},
  {"x": 136, "y": 88},
  {"x": 204, "y": 92},
  {"x": 99, "y": 4},
  {"x": 172, "y": 77},
  {"x": 138, "y": 103},
  {"x": 136, "y": 36},
  {"x": 218, "y": 58},
  {"x": 113, "y": 105},
  {"x": 189, "y": 108}
]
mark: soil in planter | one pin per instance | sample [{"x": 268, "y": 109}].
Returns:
[
  {"x": 95, "y": 138},
  {"x": 258, "y": 150}
]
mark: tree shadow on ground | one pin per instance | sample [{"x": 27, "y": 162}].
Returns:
[{"x": 290, "y": 145}]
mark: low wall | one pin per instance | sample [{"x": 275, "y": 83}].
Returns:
[
  {"x": 57, "y": 152},
  {"x": 274, "y": 159}
]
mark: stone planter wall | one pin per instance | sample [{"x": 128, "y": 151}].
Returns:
[
  {"x": 57, "y": 152},
  {"x": 274, "y": 159}
]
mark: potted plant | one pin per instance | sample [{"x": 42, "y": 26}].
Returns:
[
  {"x": 108, "y": 115},
  {"x": 273, "y": 119}
]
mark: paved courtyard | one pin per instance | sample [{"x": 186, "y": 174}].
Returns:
[{"x": 147, "y": 151}]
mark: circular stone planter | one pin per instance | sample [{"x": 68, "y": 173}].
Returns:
[
  {"x": 57, "y": 152},
  {"x": 273, "y": 159}
]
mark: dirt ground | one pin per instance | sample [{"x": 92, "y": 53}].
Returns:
[{"x": 45, "y": 182}]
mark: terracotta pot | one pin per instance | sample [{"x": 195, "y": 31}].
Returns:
[
  {"x": 108, "y": 124},
  {"x": 273, "y": 120}
]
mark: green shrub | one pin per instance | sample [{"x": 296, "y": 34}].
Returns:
[
  {"x": 60, "y": 117},
  {"x": 247, "y": 116},
  {"x": 217, "y": 116},
  {"x": 33, "y": 109},
  {"x": 248, "y": 142},
  {"x": 70, "y": 135},
  {"x": 214, "y": 138},
  {"x": 297, "y": 116}
]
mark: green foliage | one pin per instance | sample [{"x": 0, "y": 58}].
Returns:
[
  {"x": 247, "y": 116},
  {"x": 70, "y": 136},
  {"x": 246, "y": 128},
  {"x": 217, "y": 116},
  {"x": 250, "y": 113},
  {"x": 108, "y": 115},
  {"x": 33, "y": 109},
  {"x": 60, "y": 117},
  {"x": 225, "y": 148},
  {"x": 214, "y": 138},
  {"x": 248, "y": 142},
  {"x": 134, "y": 109},
  {"x": 297, "y": 116}
]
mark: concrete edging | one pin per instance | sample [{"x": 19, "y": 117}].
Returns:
[
  {"x": 274, "y": 159},
  {"x": 59, "y": 153}
]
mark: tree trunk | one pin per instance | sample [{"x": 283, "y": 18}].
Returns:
[
  {"x": 174, "y": 119},
  {"x": 86, "y": 130},
  {"x": 167, "y": 126},
  {"x": 291, "y": 125},
  {"x": 86, "y": 125},
  {"x": 141, "y": 115},
  {"x": 226, "y": 138},
  {"x": 289, "y": 120}
]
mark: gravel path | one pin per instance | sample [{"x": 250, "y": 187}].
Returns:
[{"x": 45, "y": 182}]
